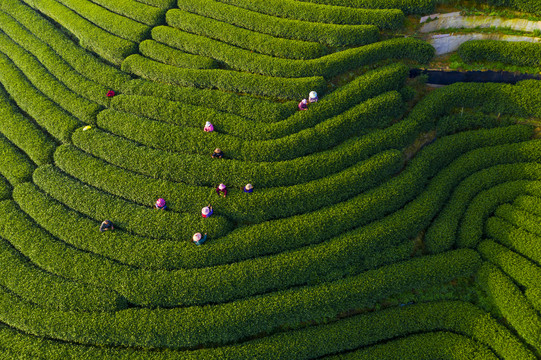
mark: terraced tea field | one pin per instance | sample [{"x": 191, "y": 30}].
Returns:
[{"x": 387, "y": 221}]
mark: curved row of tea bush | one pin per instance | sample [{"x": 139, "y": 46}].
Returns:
[
  {"x": 141, "y": 220},
  {"x": 327, "y": 66},
  {"x": 81, "y": 60},
  {"x": 80, "y": 232},
  {"x": 519, "y": 240},
  {"x": 167, "y": 55},
  {"x": 54, "y": 63},
  {"x": 305, "y": 343},
  {"x": 136, "y": 10},
  {"x": 193, "y": 326},
  {"x": 251, "y": 40},
  {"x": 519, "y": 217},
  {"x": 250, "y": 107},
  {"x": 454, "y": 123},
  {"x": 298, "y": 10},
  {"x": 5, "y": 188},
  {"x": 362, "y": 88},
  {"x": 50, "y": 291},
  {"x": 428, "y": 346},
  {"x": 512, "y": 304},
  {"x": 45, "y": 112},
  {"x": 442, "y": 234},
  {"x": 104, "y": 19},
  {"x": 105, "y": 44},
  {"x": 534, "y": 295},
  {"x": 329, "y": 34},
  {"x": 519, "y": 53},
  {"x": 24, "y": 133},
  {"x": 311, "y": 265},
  {"x": 523, "y": 271},
  {"x": 532, "y": 6},
  {"x": 162, "y": 4},
  {"x": 375, "y": 112},
  {"x": 15, "y": 166},
  {"x": 48, "y": 84},
  {"x": 484, "y": 204},
  {"x": 262, "y": 205},
  {"x": 531, "y": 204},
  {"x": 262, "y": 239},
  {"x": 226, "y": 80},
  {"x": 407, "y": 6}
]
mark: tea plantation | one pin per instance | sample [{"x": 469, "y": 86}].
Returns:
[{"x": 389, "y": 220}]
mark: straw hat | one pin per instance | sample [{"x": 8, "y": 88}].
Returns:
[
  {"x": 217, "y": 150},
  {"x": 249, "y": 187},
  {"x": 205, "y": 210},
  {"x": 221, "y": 186},
  {"x": 196, "y": 237}
]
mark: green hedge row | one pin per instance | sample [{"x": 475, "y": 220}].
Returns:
[
  {"x": 81, "y": 60},
  {"x": 522, "y": 270},
  {"x": 519, "y": 217},
  {"x": 283, "y": 234},
  {"x": 24, "y": 133},
  {"x": 227, "y": 80},
  {"x": 250, "y": 40},
  {"x": 81, "y": 232},
  {"x": 512, "y": 304},
  {"x": 167, "y": 55},
  {"x": 217, "y": 284},
  {"x": 63, "y": 260},
  {"x": 169, "y": 166},
  {"x": 15, "y": 166},
  {"x": 91, "y": 37},
  {"x": 5, "y": 188},
  {"x": 484, "y": 204},
  {"x": 355, "y": 92},
  {"x": 375, "y": 112},
  {"x": 54, "y": 63},
  {"x": 532, "y": 6},
  {"x": 262, "y": 205},
  {"x": 534, "y": 295},
  {"x": 308, "y": 342},
  {"x": 519, "y": 53},
  {"x": 468, "y": 121},
  {"x": 136, "y": 10},
  {"x": 517, "y": 239},
  {"x": 102, "y": 18},
  {"x": 83, "y": 109},
  {"x": 161, "y": 4},
  {"x": 219, "y": 324},
  {"x": 298, "y": 10},
  {"x": 49, "y": 291},
  {"x": 442, "y": 234},
  {"x": 250, "y": 107},
  {"x": 429, "y": 346},
  {"x": 327, "y": 66},
  {"x": 530, "y": 204},
  {"x": 329, "y": 34},
  {"x": 141, "y": 220},
  {"x": 407, "y": 6},
  {"x": 45, "y": 112}
]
